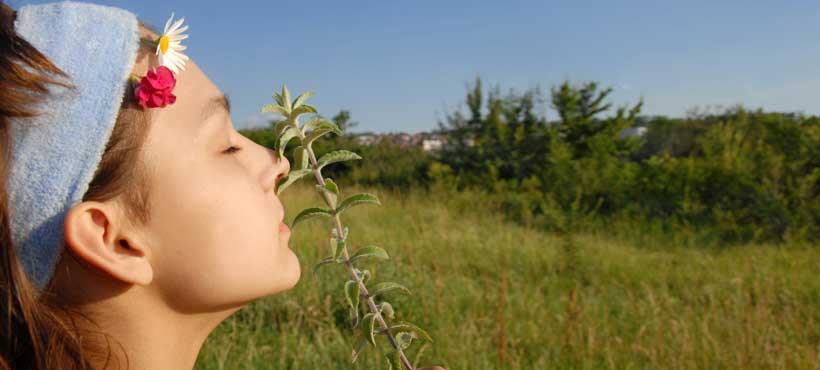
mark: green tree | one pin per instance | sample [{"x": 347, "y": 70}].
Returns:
[
  {"x": 499, "y": 145},
  {"x": 342, "y": 120},
  {"x": 581, "y": 126}
]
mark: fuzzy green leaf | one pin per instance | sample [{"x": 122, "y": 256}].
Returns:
[
  {"x": 280, "y": 126},
  {"x": 281, "y": 102},
  {"x": 279, "y": 130},
  {"x": 352, "y": 294},
  {"x": 325, "y": 261},
  {"x": 364, "y": 275},
  {"x": 386, "y": 309},
  {"x": 406, "y": 326},
  {"x": 335, "y": 234},
  {"x": 320, "y": 127},
  {"x": 311, "y": 213},
  {"x": 300, "y": 157},
  {"x": 369, "y": 251},
  {"x": 338, "y": 248},
  {"x": 393, "y": 361},
  {"x": 337, "y": 156},
  {"x": 301, "y": 98},
  {"x": 274, "y": 108},
  {"x": 382, "y": 288},
  {"x": 369, "y": 325},
  {"x": 331, "y": 189},
  {"x": 287, "y": 135},
  {"x": 286, "y": 98},
  {"x": 305, "y": 108},
  {"x": 331, "y": 186},
  {"x": 357, "y": 199},
  {"x": 404, "y": 339},
  {"x": 354, "y": 317},
  {"x": 311, "y": 123},
  {"x": 293, "y": 176}
]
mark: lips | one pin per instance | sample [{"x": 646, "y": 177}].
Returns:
[{"x": 283, "y": 228}]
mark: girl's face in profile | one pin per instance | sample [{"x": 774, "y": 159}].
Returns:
[{"x": 215, "y": 228}]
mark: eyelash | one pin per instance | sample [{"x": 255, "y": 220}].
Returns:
[{"x": 232, "y": 149}]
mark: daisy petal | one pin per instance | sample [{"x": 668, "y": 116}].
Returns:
[
  {"x": 177, "y": 32},
  {"x": 176, "y": 25},
  {"x": 170, "y": 59},
  {"x": 168, "y": 23}
]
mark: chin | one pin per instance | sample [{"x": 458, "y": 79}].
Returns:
[
  {"x": 287, "y": 274},
  {"x": 294, "y": 271}
]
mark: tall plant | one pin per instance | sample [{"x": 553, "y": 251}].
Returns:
[{"x": 377, "y": 310}]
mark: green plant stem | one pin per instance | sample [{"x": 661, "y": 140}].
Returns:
[{"x": 363, "y": 289}]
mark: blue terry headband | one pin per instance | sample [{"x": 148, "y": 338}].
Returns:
[{"x": 54, "y": 156}]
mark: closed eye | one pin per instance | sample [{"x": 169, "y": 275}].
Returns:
[{"x": 232, "y": 149}]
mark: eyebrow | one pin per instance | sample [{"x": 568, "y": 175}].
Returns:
[{"x": 216, "y": 104}]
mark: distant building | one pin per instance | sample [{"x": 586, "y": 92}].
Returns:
[
  {"x": 633, "y": 132},
  {"x": 427, "y": 141},
  {"x": 403, "y": 139},
  {"x": 429, "y": 145},
  {"x": 367, "y": 139}
]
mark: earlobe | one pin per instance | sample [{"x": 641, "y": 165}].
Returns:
[{"x": 96, "y": 233}]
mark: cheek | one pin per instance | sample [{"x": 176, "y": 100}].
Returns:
[{"x": 219, "y": 243}]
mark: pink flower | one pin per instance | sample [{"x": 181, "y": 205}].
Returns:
[{"x": 154, "y": 90}]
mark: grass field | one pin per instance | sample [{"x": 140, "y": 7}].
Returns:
[{"x": 495, "y": 295}]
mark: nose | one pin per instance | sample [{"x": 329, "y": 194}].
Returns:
[
  {"x": 265, "y": 163},
  {"x": 281, "y": 168}
]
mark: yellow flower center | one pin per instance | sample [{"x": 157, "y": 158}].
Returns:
[{"x": 163, "y": 44}]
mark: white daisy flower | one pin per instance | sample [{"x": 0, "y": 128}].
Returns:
[{"x": 169, "y": 49}]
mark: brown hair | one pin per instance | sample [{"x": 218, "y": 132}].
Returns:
[{"x": 40, "y": 332}]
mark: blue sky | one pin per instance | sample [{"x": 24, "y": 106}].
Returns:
[{"x": 401, "y": 65}]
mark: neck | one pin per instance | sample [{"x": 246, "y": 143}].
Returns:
[{"x": 149, "y": 338}]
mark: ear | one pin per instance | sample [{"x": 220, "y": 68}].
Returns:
[{"x": 96, "y": 232}]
